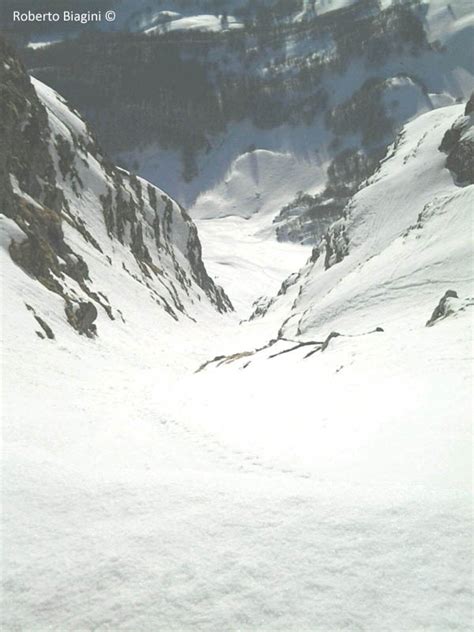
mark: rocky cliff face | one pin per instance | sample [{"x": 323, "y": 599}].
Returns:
[
  {"x": 66, "y": 206},
  {"x": 458, "y": 144}
]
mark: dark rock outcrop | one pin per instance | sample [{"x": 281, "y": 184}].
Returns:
[
  {"x": 461, "y": 161},
  {"x": 82, "y": 317},
  {"x": 458, "y": 143},
  {"x": 336, "y": 242},
  {"x": 444, "y": 308},
  {"x": 307, "y": 218},
  {"x": 469, "y": 109},
  {"x": 26, "y": 163}
]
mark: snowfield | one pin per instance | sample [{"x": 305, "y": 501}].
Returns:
[
  {"x": 268, "y": 491},
  {"x": 330, "y": 493}
]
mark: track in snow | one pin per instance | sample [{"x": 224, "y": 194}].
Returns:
[{"x": 207, "y": 449}]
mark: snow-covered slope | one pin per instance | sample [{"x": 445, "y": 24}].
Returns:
[
  {"x": 407, "y": 231},
  {"x": 351, "y": 328}
]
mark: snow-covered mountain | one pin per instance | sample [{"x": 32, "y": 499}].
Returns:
[
  {"x": 80, "y": 236},
  {"x": 402, "y": 239},
  {"x": 265, "y": 132}
]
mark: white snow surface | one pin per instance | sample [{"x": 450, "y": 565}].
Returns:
[
  {"x": 386, "y": 236},
  {"x": 197, "y": 22},
  {"x": 323, "y": 494},
  {"x": 245, "y": 263}
]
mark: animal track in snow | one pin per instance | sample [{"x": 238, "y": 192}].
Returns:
[{"x": 219, "y": 454}]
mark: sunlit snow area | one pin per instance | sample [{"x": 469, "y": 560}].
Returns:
[{"x": 299, "y": 463}]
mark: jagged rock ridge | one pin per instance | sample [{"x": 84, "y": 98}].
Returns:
[{"x": 63, "y": 197}]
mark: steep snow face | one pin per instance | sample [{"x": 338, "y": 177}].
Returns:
[
  {"x": 404, "y": 99},
  {"x": 408, "y": 231},
  {"x": 81, "y": 230},
  {"x": 256, "y": 183}
]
